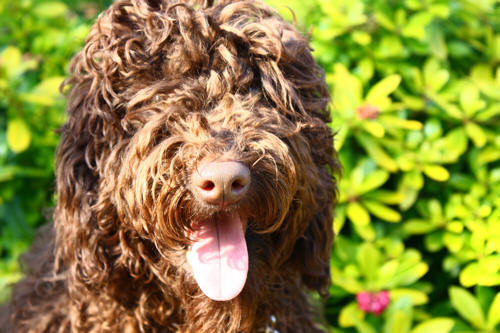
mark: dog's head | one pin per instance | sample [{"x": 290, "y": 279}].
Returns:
[{"x": 196, "y": 144}]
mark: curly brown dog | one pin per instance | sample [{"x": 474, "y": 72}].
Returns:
[{"x": 195, "y": 178}]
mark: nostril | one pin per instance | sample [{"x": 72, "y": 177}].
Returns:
[
  {"x": 207, "y": 185},
  {"x": 237, "y": 186}
]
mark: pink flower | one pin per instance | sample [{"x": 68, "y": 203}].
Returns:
[
  {"x": 368, "y": 111},
  {"x": 373, "y": 302}
]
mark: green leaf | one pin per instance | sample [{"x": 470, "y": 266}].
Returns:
[
  {"x": 476, "y": 134},
  {"x": 408, "y": 275},
  {"x": 361, "y": 37},
  {"x": 436, "y": 172},
  {"x": 469, "y": 275},
  {"x": 347, "y": 89},
  {"x": 377, "y": 153},
  {"x": 393, "y": 121},
  {"x": 11, "y": 61},
  {"x": 50, "y": 9},
  {"x": 365, "y": 69},
  {"x": 374, "y": 128},
  {"x": 417, "y": 297},
  {"x": 418, "y": 226},
  {"x": 494, "y": 312},
  {"x": 399, "y": 317},
  {"x": 385, "y": 196},
  {"x": 488, "y": 114},
  {"x": 350, "y": 315},
  {"x": 381, "y": 90},
  {"x": 435, "y": 77},
  {"x": 45, "y": 92},
  {"x": 18, "y": 135},
  {"x": 467, "y": 306},
  {"x": 470, "y": 101},
  {"x": 441, "y": 10},
  {"x": 357, "y": 213},
  {"x": 366, "y": 232},
  {"x": 435, "y": 325},
  {"x": 453, "y": 242},
  {"x": 415, "y": 28},
  {"x": 381, "y": 211},
  {"x": 390, "y": 46},
  {"x": 369, "y": 259},
  {"x": 455, "y": 143},
  {"x": 345, "y": 282},
  {"x": 7, "y": 172},
  {"x": 372, "y": 181}
]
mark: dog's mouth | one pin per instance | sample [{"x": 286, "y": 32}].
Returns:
[{"x": 218, "y": 255}]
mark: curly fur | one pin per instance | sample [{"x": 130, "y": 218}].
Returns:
[{"x": 159, "y": 87}]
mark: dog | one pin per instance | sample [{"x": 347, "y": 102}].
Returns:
[{"x": 196, "y": 178}]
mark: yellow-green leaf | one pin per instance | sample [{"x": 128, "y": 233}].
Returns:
[
  {"x": 381, "y": 211},
  {"x": 417, "y": 297},
  {"x": 50, "y": 9},
  {"x": 436, "y": 172},
  {"x": 435, "y": 325},
  {"x": 467, "y": 306},
  {"x": 435, "y": 77},
  {"x": 374, "y": 128},
  {"x": 476, "y": 134},
  {"x": 469, "y": 99},
  {"x": 453, "y": 242},
  {"x": 45, "y": 92},
  {"x": 393, "y": 121},
  {"x": 488, "y": 155},
  {"x": 399, "y": 317},
  {"x": 347, "y": 89},
  {"x": 386, "y": 196},
  {"x": 357, "y": 213},
  {"x": 382, "y": 89},
  {"x": 470, "y": 274},
  {"x": 378, "y": 154},
  {"x": 361, "y": 37},
  {"x": 494, "y": 312},
  {"x": 350, "y": 315},
  {"x": 18, "y": 135},
  {"x": 416, "y": 25},
  {"x": 11, "y": 61},
  {"x": 365, "y": 69},
  {"x": 372, "y": 181},
  {"x": 367, "y": 232},
  {"x": 369, "y": 259},
  {"x": 340, "y": 137}
]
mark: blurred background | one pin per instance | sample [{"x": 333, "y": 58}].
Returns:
[{"x": 416, "y": 107}]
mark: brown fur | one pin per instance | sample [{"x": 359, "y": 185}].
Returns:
[{"x": 159, "y": 87}]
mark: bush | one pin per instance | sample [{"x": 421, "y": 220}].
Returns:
[{"x": 416, "y": 91}]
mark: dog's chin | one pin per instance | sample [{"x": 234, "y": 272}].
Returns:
[{"x": 218, "y": 255}]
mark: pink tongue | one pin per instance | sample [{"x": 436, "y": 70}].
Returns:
[{"x": 219, "y": 257}]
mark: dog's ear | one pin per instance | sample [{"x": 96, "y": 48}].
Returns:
[
  {"x": 91, "y": 132},
  {"x": 86, "y": 140},
  {"x": 311, "y": 216},
  {"x": 312, "y": 249}
]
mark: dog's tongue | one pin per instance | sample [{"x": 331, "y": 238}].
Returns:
[{"x": 219, "y": 257}]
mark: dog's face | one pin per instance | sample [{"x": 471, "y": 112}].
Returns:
[
  {"x": 199, "y": 178},
  {"x": 197, "y": 140}
]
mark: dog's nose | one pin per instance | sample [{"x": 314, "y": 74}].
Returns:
[{"x": 221, "y": 182}]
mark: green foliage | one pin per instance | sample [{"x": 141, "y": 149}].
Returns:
[
  {"x": 416, "y": 90},
  {"x": 37, "y": 40}
]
